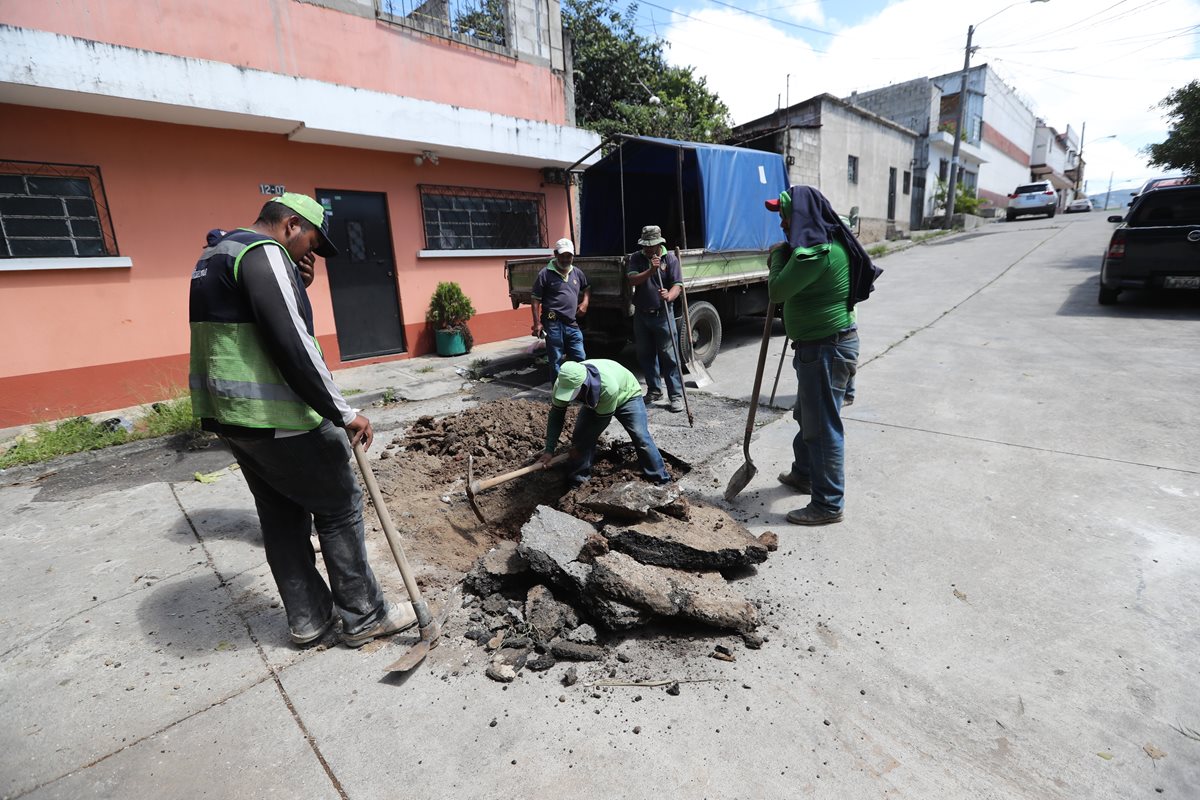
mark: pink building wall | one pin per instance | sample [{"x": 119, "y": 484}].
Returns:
[
  {"x": 91, "y": 339},
  {"x": 310, "y": 41}
]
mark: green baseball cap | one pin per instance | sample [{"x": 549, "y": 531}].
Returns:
[
  {"x": 570, "y": 377},
  {"x": 314, "y": 212}
]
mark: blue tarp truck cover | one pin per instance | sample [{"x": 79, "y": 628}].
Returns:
[{"x": 723, "y": 192}]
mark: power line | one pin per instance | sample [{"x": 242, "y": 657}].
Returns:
[{"x": 775, "y": 19}]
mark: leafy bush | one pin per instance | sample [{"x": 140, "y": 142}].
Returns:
[
  {"x": 449, "y": 307},
  {"x": 965, "y": 201}
]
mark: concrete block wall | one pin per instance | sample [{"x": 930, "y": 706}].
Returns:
[
  {"x": 805, "y": 150},
  {"x": 909, "y": 104}
]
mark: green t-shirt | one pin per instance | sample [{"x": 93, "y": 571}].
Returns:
[
  {"x": 813, "y": 284},
  {"x": 617, "y": 387}
]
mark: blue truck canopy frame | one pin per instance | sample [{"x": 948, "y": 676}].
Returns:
[{"x": 647, "y": 181}]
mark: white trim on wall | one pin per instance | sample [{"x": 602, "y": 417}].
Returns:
[{"x": 64, "y": 262}]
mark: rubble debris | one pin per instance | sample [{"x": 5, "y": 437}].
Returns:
[
  {"x": 547, "y": 617},
  {"x": 634, "y": 500},
  {"x": 500, "y": 569},
  {"x": 573, "y": 651},
  {"x": 769, "y": 540},
  {"x": 584, "y": 634},
  {"x": 571, "y": 676},
  {"x": 711, "y": 540},
  {"x": 723, "y": 653},
  {"x": 594, "y": 547},
  {"x": 753, "y": 641},
  {"x": 673, "y": 689},
  {"x": 541, "y": 663},
  {"x": 501, "y": 672},
  {"x": 703, "y": 597},
  {"x": 550, "y": 543}
]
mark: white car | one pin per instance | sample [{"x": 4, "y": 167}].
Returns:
[
  {"x": 1032, "y": 198},
  {"x": 1079, "y": 204}
]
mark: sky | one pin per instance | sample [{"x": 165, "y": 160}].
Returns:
[{"x": 1106, "y": 63}]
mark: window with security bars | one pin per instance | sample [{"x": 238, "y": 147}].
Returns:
[
  {"x": 459, "y": 218},
  {"x": 49, "y": 210}
]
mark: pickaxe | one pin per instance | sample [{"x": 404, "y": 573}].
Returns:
[{"x": 474, "y": 486}]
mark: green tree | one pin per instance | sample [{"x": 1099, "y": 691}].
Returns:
[
  {"x": 1181, "y": 150},
  {"x": 618, "y": 71},
  {"x": 486, "y": 21}
]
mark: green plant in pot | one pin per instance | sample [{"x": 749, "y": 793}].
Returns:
[{"x": 449, "y": 310}]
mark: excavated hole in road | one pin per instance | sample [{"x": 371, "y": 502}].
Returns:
[{"x": 422, "y": 474}]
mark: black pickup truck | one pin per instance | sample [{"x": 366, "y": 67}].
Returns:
[{"x": 1157, "y": 246}]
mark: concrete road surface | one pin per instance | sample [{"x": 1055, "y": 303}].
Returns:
[{"x": 1010, "y": 609}]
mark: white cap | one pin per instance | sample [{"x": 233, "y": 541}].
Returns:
[{"x": 564, "y": 246}]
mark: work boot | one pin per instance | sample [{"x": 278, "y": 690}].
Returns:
[
  {"x": 811, "y": 515},
  {"x": 397, "y": 618},
  {"x": 676, "y": 405},
  {"x": 305, "y": 638},
  {"x": 793, "y": 481},
  {"x": 652, "y": 397}
]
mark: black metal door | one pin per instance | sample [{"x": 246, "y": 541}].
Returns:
[
  {"x": 362, "y": 277},
  {"x": 891, "y": 217}
]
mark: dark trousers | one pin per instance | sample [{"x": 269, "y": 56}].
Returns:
[{"x": 299, "y": 481}]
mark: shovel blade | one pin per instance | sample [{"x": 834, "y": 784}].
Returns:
[
  {"x": 414, "y": 656},
  {"x": 740, "y": 480},
  {"x": 697, "y": 376}
]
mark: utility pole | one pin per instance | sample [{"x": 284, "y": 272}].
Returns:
[
  {"x": 952, "y": 189},
  {"x": 1079, "y": 166},
  {"x": 1109, "y": 192}
]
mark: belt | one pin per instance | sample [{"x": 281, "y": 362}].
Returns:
[
  {"x": 553, "y": 317},
  {"x": 832, "y": 338},
  {"x": 653, "y": 312}
]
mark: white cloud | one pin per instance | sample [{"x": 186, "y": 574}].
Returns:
[{"x": 1072, "y": 60}]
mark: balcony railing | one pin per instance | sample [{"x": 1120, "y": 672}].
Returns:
[{"x": 479, "y": 23}]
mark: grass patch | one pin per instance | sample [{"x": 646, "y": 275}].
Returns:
[
  {"x": 927, "y": 235},
  {"x": 389, "y": 396},
  {"x": 877, "y": 250},
  {"x": 427, "y": 368},
  {"x": 80, "y": 434},
  {"x": 351, "y": 392}
]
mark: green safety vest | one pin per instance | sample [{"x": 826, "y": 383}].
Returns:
[{"x": 232, "y": 378}]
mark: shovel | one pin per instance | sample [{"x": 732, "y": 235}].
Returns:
[
  {"x": 699, "y": 375},
  {"x": 431, "y": 631},
  {"x": 746, "y": 472},
  {"x": 474, "y": 487}
]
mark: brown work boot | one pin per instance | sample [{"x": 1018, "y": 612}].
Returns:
[{"x": 801, "y": 485}]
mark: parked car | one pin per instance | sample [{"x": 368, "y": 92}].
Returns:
[
  {"x": 1160, "y": 183},
  {"x": 1032, "y": 198},
  {"x": 1157, "y": 245},
  {"x": 1078, "y": 204}
]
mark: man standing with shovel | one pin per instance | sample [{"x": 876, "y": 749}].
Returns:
[
  {"x": 258, "y": 380},
  {"x": 657, "y": 280},
  {"x": 811, "y": 275}
]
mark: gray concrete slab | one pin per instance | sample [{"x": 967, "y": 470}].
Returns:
[{"x": 269, "y": 757}]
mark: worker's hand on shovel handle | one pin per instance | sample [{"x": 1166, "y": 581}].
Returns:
[
  {"x": 359, "y": 431},
  {"x": 545, "y": 458}
]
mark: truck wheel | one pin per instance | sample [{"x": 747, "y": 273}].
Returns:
[
  {"x": 1108, "y": 297},
  {"x": 706, "y": 333}
]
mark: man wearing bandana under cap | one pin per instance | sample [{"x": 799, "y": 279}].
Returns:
[
  {"x": 605, "y": 389},
  {"x": 811, "y": 275}
]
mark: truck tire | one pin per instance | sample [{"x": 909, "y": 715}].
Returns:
[
  {"x": 705, "y": 341},
  {"x": 1108, "y": 297}
]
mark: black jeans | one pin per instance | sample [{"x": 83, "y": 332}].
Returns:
[{"x": 298, "y": 481}]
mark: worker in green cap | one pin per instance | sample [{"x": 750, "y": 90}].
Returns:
[
  {"x": 258, "y": 380},
  {"x": 604, "y": 389}
]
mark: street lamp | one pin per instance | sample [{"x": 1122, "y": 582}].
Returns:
[
  {"x": 952, "y": 189},
  {"x": 1079, "y": 166}
]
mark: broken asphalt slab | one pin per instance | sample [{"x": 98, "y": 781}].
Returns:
[{"x": 710, "y": 539}]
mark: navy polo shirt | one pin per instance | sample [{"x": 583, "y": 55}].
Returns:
[
  {"x": 559, "y": 294},
  {"x": 645, "y": 296}
]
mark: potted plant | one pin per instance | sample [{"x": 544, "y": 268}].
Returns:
[{"x": 449, "y": 310}]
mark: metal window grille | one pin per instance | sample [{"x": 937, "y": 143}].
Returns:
[
  {"x": 49, "y": 210},
  {"x": 482, "y": 23},
  {"x": 462, "y": 218},
  {"x": 852, "y": 169},
  {"x": 907, "y": 181}
]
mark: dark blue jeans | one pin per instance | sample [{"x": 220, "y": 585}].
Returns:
[
  {"x": 632, "y": 416},
  {"x": 561, "y": 339},
  {"x": 298, "y": 481},
  {"x": 823, "y": 372},
  {"x": 656, "y": 351}
]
